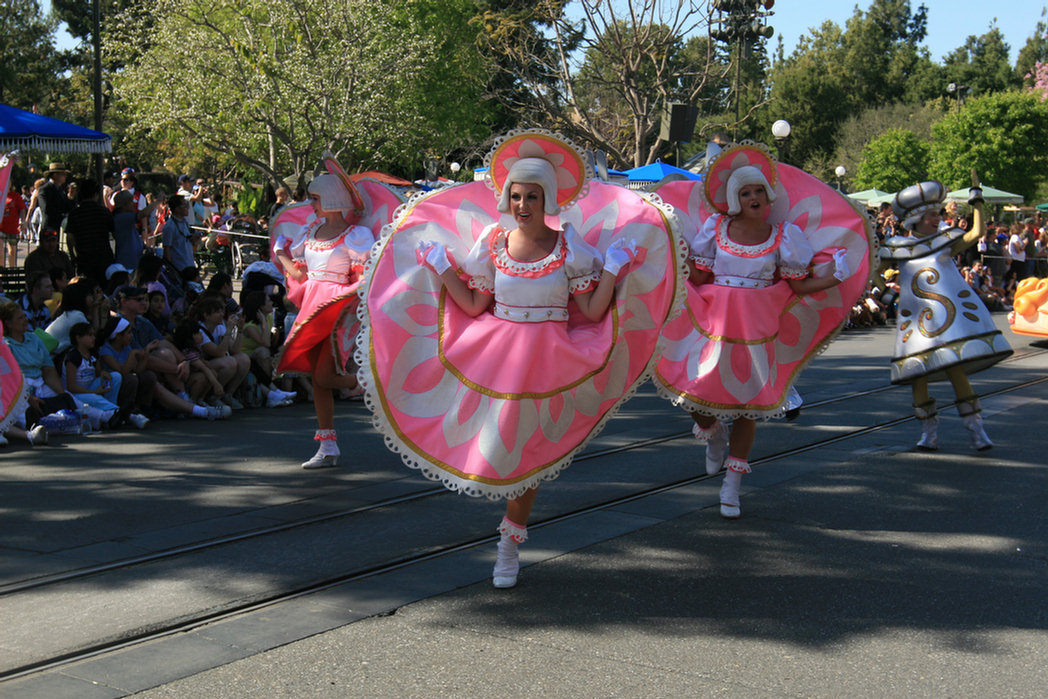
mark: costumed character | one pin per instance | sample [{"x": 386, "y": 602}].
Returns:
[
  {"x": 778, "y": 259},
  {"x": 944, "y": 330},
  {"x": 322, "y": 263},
  {"x": 1030, "y": 308},
  {"x": 479, "y": 370}
]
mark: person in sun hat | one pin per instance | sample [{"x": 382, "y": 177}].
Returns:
[
  {"x": 54, "y": 203},
  {"x": 772, "y": 251},
  {"x": 944, "y": 331},
  {"x": 502, "y": 332}
]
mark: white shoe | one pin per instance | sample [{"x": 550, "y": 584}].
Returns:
[
  {"x": 278, "y": 398},
  {"x": 321, "y": 461},
  {"x": 37, "y": 435},
  {"x": 326, "y": 457},
  {"x": 138, "y": 420},
  {"x": 214, "y": 413},
  {"x": 507, "y": 564}
]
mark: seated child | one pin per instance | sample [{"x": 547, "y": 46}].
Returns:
[{"x": 97, "y": 389}]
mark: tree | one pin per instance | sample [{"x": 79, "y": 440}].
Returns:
[
  {"x": 895, "y": 159},
  {"x": 606, "y": 78},
  {"x": 380, "y": 83},
  {"x": 836, "y": 73},
  {"x": 1034, "y": 51},
  {"x": 27, "y": 54},
  {"x": 1003, "y": 136},
  {"x": 859, "y": 130},
  {"x": 982, "y": 64}
]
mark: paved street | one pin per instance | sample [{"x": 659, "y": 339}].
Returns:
[{"x": 860, "y": 568}]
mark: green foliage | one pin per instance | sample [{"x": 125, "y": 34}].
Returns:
[
  {"x": 250, "y": 199},
  {"x": 1034, "y": 51},
  {"x": 30, "y": 65},
  {"x": 876, "y": 60},
  {"x": 859, "y": 130},
  {"x": 982, "y": 64},
  {"x": 895, "y": 159},
  {"x": 271, "y": 86},
  {"x": 1003, "y": 136}
]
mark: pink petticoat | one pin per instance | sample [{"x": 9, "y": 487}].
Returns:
[{"x": 328, "y": 313}]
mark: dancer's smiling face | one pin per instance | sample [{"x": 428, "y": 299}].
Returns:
[{"x": 526, "y": 203}]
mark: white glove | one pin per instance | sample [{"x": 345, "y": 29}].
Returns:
[
  {"x": 433, "y": 254},
  {"x": 620, "y": 254},
  {"x": 840, "y": 265}
]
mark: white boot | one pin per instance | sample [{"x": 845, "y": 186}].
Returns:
[
  {"x": 729, "y": 492},
  {"x": 929, "y": 418},
  {"x": 974, "y": 425},
  {"x": 715, "y": 437},
  {"x": 929, "y": 440},
  {"x": 507, "y": 562},
  {"x": 327, "y": 454}
]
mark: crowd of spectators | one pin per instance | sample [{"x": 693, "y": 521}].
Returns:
[
  {"x": 1005, "y": 255},
  {"x": 126, "y": 325},
  {"x": 131, "y": 280}
]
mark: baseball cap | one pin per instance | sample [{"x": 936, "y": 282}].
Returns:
[
  {"x": 127, "y": 291},
  {"x": 127, "y": 171},
  {"x": 115, "y": 268}
]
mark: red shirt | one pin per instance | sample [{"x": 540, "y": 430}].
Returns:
[{"x": 13, "y": 208}]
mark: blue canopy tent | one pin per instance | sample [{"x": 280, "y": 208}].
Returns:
[
  {"x": 21, "y": 130},
  {"x": 654, "y": 172}
]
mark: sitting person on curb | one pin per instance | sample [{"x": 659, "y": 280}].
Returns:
[
  {"x": 46, "y": 393},
  {"x": 163, "y": 359},
  {"x": 137, "y": 383},
  {"x": 260, "y": 340},
  {"x": 93, "y": 385},
  {"x": 38, "y": 290},
  {"x": 204, "y": 386},
  {"x": 221, "y": 348},
  {"x": 81, "y": 303}
]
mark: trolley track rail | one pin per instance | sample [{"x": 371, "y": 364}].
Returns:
[
  {"x": 277, "y": 596},
  {"x": 43, "y": 581}
]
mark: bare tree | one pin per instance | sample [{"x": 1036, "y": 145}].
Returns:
[{"x": 604, "y": 71}]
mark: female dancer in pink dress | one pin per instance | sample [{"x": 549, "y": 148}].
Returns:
[
  {"x": 323, "y": 265},
  {"x": 485, "y": 376},
  {"x": 757, "y": 312}
]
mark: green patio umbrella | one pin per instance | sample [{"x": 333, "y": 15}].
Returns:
[
  {"x": 990, "y": 195},
  {"x": 872, "y": 197}
]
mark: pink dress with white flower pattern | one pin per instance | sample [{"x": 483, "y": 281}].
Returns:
[
  {"x": 726, "y": 353},
  {"x": 494, "y": 404}
]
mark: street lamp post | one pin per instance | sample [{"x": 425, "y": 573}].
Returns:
[
  {"x": 742, "y": 22},
  {"x": 841, "y": 171},
  {"x": 959, "y": 90},
  {"x": 781, "y": 131}
]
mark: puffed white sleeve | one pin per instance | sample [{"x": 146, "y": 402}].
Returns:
[
  {"x": 479, "y": 267},
  {"x": 795, "y": 253},
  {"x": 358, "y": 242},
  {"x": 704, "y": 243},
  {"x": 583, "y": 262},
  {"x": 297, "y": 248}
]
